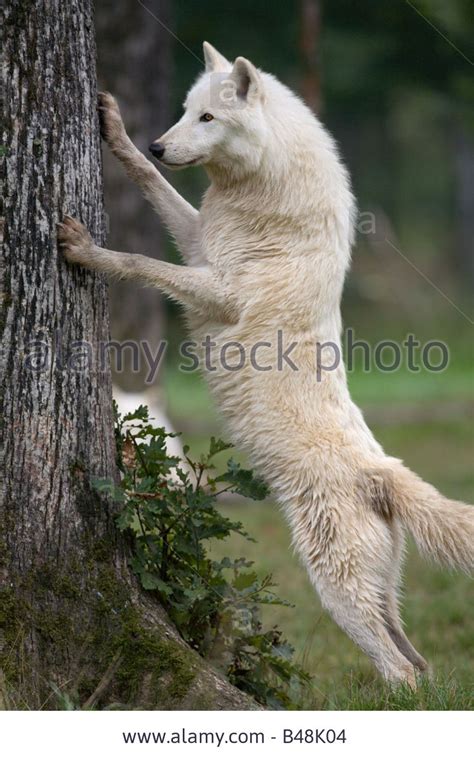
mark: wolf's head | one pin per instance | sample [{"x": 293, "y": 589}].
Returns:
[{"x": 223, "y": 124}]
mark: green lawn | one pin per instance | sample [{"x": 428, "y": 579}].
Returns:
[{"x": 438, "y": 604}]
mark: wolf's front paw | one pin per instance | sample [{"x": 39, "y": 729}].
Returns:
[
  {"x": 75, "y": 241},
  {"x": 111, "y": 124}
]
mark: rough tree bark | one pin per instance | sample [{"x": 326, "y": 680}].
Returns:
[{"x": 70, "y": 612}]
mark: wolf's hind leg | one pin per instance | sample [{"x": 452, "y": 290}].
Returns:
[
  {"x": 391, "y": 607},
  {"x": 348, "y": 561},
  {"x": 363, "y": 621},
  {"x": 397, "y": 634}
]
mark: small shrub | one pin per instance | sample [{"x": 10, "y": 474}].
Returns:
[{"x": 170, "y": 507}]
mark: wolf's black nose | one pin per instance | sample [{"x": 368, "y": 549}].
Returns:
[{"x": 157, "y": 149}]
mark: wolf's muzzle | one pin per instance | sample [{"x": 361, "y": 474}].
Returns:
[{"x": 157, "y": 149}]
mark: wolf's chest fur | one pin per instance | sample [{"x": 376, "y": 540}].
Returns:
[{"x": 262, "y": 369}]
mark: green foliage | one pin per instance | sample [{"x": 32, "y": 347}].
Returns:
[{"x": 170, "y": 507}]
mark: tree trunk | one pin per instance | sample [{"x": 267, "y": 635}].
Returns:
[
  {"x": 310, "y": 36},
  {"x": 71, "y": 616},
  {"x": 134, "y": 63},
  {"x": 463, "y": 147}
]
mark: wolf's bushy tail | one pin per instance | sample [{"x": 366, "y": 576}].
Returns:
[{"x": 443, "y": 529}]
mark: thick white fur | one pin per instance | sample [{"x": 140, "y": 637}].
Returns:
[{"x": 268, "y": 252}]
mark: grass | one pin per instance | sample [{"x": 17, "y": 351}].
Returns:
[
  {"x": 438, "y": 694},
  {"x": 438, "y": 604}
]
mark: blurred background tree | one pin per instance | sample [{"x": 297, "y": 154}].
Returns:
[{"x": 135, "y": 63}]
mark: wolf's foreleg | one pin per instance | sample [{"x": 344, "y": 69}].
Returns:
[
  {"x": 181, "y": 219},
  {"x": 195, "y": 287}
]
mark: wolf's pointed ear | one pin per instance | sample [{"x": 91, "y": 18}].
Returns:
[
  {"x": 247, "y": 79},
  {"x": 214, "y": 60}
]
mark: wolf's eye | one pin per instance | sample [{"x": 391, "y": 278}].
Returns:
[{"x": 206, "y": 117}]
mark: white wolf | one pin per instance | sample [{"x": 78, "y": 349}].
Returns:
[{"x": 266, "y": 257}]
